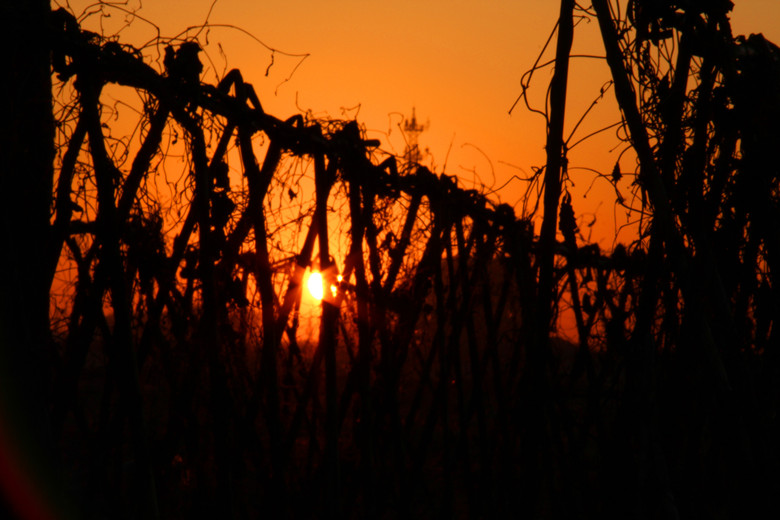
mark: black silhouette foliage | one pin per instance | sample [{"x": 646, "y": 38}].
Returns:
[{"x": 184, "y": 375}]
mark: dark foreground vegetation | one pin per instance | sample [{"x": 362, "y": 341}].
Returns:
[{"x": 176, "y": 377}]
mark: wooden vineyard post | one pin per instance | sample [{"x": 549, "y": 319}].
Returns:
[
  {"x": 552, "y": 175},
  {"x": 537, "y": 451},
  {"x": 366, "y": 414},
  {"x": 328, "y": 330}
]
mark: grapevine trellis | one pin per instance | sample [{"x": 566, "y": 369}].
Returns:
[{"x": 428, "y": 375}]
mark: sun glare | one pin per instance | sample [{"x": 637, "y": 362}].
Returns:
[{"x": 315, "y": 285}]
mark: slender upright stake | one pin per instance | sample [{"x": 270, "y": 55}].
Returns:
[
  {"x": 537, "y": 452},
  {"x": 328, "y": 330},
  {"x": 552, "y": 175}
]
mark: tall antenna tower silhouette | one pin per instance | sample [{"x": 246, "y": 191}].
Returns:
[{"x": 412, "y": 130}]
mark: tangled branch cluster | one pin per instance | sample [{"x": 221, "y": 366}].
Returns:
[{"x": 179, "y": 252}]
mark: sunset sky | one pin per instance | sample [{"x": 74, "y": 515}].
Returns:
[
  {"x": 458, "y": 62},
  {"x": 443, "y": 373}
]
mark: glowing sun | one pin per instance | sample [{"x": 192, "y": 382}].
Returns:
[{"x": 315, "y": 285}]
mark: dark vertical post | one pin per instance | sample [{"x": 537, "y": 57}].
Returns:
[
  {"x": 328, "y": 329},
  {"x": 26, "y": 180},
  {"x": 366, "y": 436},
  {"x": 536, "y": 452},
  {"x": 552, "y": 175}
]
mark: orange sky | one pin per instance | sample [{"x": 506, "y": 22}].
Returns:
[{"x": 458, "y": 62}]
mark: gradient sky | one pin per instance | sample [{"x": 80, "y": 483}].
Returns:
[{"x": 458, "y": 62}]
